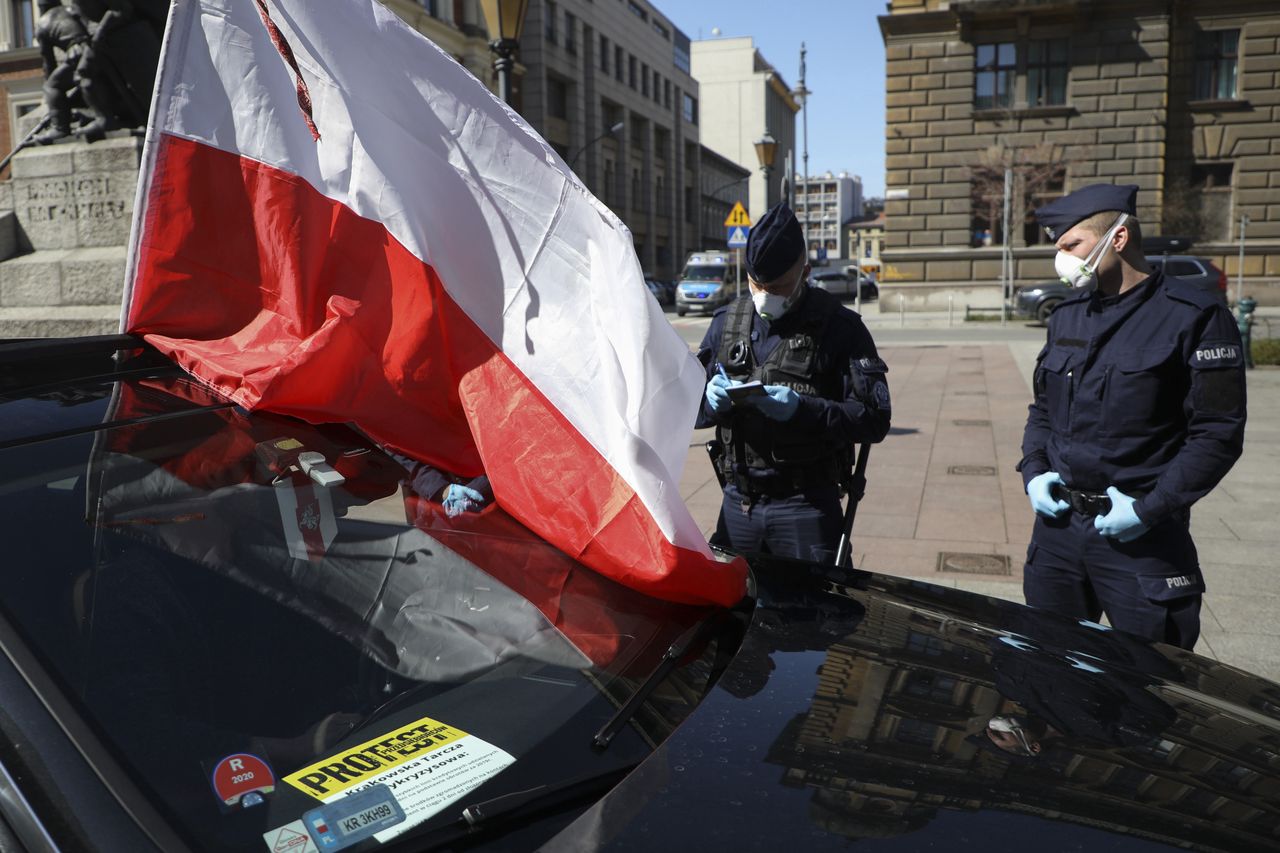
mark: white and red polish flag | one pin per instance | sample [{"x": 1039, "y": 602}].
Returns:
[{"x": 337, "y": 221}]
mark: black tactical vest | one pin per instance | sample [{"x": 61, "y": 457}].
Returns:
[{"x": 751, "y": 441}]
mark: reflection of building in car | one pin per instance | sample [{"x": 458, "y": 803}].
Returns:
[{"x": 902, "y": 698}]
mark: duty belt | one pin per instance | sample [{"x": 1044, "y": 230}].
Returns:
[
  {"x": 1085, "y": 503},
  {"x": 782, "y": 485}
]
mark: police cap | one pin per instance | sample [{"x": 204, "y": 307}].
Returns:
[
  {"x": 774, "y": 244},
  {"x": 1059, "y": 215}
]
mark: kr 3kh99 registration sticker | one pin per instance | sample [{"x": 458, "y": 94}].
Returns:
[{"x": 426, "y": 765}]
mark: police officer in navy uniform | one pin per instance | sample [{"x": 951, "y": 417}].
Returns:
[
  {"x": 788, "y": 449},
  {"x": 1139, "y": 411}
]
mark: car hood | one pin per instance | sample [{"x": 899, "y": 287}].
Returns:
[{"x": 857, "y": 710}]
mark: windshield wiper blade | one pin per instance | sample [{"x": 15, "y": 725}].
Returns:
[
  {"x": 480, "y": 816},
  {"x": 694, "y": 634}
]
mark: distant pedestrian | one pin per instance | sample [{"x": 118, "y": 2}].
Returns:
[
  {"x": 819, "y": 388},
  {"x": 1139, "y": 411}
]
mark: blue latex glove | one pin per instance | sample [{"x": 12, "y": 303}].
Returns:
[
  {"x": 1040, "y": 490},
  {"x": 460, "y": 499},
  {"x": 779, "y": 404},
  {"x": 1122, "y": 523},
  {"x": 718, "y": 399}
]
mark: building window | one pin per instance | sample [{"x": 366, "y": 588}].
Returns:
[
  {"x": 550, "y": 23},
  {"x": 666, "y": 93},
  {"x": 557, "y": 98},
  {"x": 661, "y": 30},
  {"x": 637, "y": 10},
  {"x": 680, "y": 51},
  {"x": 690, "y": 108},
  {"x": 1047, "y": 72},
  {"x": 610, "y": 177},
  {"x": 24, "y": 23},
  {"x": 631, "y": 71},
  {"x": 1217, "y": 55},
  {"x": 1041, "y": 185},
  {"x": 637, "y": 197},
  {"x": 915, "y": 732},
  {"x": 617, "y": 63},
  {"x": 459, "y": 12},
  {"x": 688, "y": 205},
  {"x": 644, "y": 79},
  {"x": 996, "y": 66},
  {"x": 1211, "y": 182},
  {"x": 570, "y": 33},
  {"x": 604, "y": 54},
  {"x": 657, "y": 88}
]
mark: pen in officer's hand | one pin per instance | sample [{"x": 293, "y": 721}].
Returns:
[{"x": 720, "y": 367}]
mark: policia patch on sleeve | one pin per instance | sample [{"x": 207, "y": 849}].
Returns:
[
  {"x": 1211, "y": 355},
  {"x": 1217, "y": 389}
]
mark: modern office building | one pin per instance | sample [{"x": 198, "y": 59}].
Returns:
[
  {"x": 591, "y": 65},
  {"x": 823, "y": 204},
  {"x": 1178, "y": 98},
  {"x": 743, "y": 97}
]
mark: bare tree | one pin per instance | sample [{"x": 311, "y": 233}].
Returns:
[{"x": 1038, "y": 172}]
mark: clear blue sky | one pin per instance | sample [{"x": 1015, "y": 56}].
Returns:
[{"x": 845, "y": 70}]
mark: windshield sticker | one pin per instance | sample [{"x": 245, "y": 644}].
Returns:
[
  {"x": 242, "y": 780},
  {"x": 290, "y": 838},
  {"x": 353, "y": 818},
  {"x": 426, "y": 765}
]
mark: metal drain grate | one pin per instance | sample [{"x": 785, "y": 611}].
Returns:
[
  {"x": 971, "y": 422},
  {"x": 974, "y": 564},
  {"x": 972, "y": 470}
]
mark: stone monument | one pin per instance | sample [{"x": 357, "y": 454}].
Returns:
[{"x": 64, "y": 230}]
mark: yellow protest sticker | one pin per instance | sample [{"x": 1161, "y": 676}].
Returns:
[{"x": 359, "y": 764}]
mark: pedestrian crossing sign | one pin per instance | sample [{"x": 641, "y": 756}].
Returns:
[
  {"x": 736, "y": 237},
  {"x": 738, "y": 216}
]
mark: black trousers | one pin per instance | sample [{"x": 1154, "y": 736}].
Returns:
[{"x": 1151, "y": 586}]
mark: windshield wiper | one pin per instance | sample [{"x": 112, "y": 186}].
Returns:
[
  {"x": 483, "y": 815},
  {"x": 674, "y": 653}
]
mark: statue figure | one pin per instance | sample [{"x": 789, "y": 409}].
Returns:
[{"x": 109, "y": 51}]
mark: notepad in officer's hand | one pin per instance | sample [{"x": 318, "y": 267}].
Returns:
[{"x": 745, "y": 390}]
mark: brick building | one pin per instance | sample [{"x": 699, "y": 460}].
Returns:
[{"x": 1178, "y": 96}]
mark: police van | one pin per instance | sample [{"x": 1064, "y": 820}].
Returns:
[{"x": 706, "y": 283}]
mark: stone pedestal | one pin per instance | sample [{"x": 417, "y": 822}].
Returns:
[{"x": 64, "y": 230}]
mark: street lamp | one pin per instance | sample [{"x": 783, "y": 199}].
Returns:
[
  {"x": 613, "y": 131},
  {"x": 505, "y": 20},
  {"x": 766, "y": 148}
]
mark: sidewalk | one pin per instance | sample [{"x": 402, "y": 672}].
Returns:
[{"x": 944, "y": 502}]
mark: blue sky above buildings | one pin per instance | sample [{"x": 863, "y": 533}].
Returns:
[{"x": 845, "y": 66}]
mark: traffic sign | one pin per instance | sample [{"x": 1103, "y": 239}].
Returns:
[
  {"x": 736, "y": 237},
  {"x": 738, "y": 216}
]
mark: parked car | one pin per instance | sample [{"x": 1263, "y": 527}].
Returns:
[
  {"x": 207, "y": 649},
  {"x": 842, "y": 284},
  {"x": 1037, "y": 301},
  {"x": 662, "y": 291}
]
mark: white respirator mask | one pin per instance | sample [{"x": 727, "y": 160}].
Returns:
[
  {"x": 1083, "y": 272},
  {"x": 771, "y": 306}
]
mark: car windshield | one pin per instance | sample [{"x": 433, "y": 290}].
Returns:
[
  {"x": 703, "y": 272},
  {"x": 255, "y": 648}
]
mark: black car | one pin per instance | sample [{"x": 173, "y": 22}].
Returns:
[
  {"x": 233, "y": 630},
  {"x": 844, "y": 285},
  {"x": 1037, "y": 301}
]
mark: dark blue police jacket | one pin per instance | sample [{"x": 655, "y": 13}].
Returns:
[
  {"x": 856, "y": 417},
  {"x": 1144, "y": 391}
]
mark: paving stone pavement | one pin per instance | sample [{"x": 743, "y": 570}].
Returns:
[{"x": 944, "y": 502}]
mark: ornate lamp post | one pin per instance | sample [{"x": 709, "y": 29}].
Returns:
[
  {"x": 505, "y": 20},
  {"x": 766, "y": 150}
]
